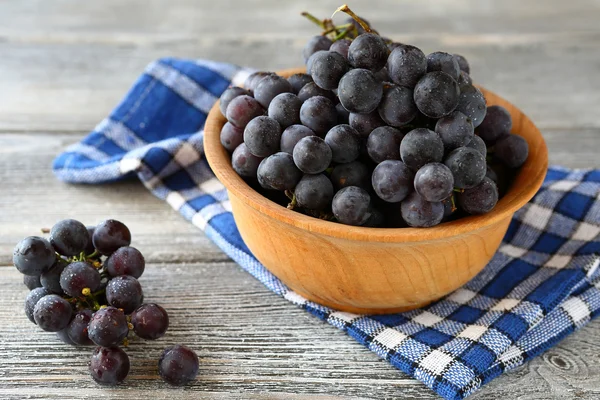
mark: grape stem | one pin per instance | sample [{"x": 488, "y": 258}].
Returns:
[
  {"x": 313, "y": 19},
  {"x": 292, "y": 203},
  {"x": 457, "y": 190},
  {"x": 453, "y": 202},
  {"x": 337, "y": 28},
  {"x": 355, "y": 17}
]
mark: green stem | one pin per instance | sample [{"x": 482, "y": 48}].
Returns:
[
  {"x": 313, "y": 19},
  {"x": 345, "y": 33},
  {"x": 337, "y": 28},
  {"x": 94, "y": 254}
]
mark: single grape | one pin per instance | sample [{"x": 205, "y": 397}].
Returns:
[
  {"x": 478, "y": 144},
  {"x": 464, "y": 79},
  {"x": 262, "y": 136},
  {"x": 343, "y": 114},
  {"x": 406, "y": 65},
  {"x": 124, "y": 292},
  {"x": 434, "y": 182},
  {"x": 228, "y": 95},
  {"x": 312, "y": 59},
  {"x": 90, "y": 249},
  {"x": 77, "y": 330},
  {"x": 78, "y": 276},
  {"x": 253, "y": 79},
  {"x": 315, "y": 44},
  {"x": 178, "y": 365},
  {"x": 108, "y": 327},
  {"x": 244, "y": 162},
  {"x": 512, "y": 150},
  {"x": 392, "y": 180},
  {"x": 354, "y": 173},
  {"x": 455, "y": 130},
  {"x": 292, "y": 135},
  {"x": 420, "y": 213},
  {"x": 341, "y": 47},
  {"x": 242, "y": 110},
  {"x": 285, "y": 109},
  {"x": 327, "y": 69},
  {"x": 111, "y": 235},
  {"x": 344, "y": 142},
  {"x": 278, "y": 172},
  {"x": 365, "y": 123},
  {"x": 397, "y": 107},
  {"x": 32, "y": 282},
  {"x": 440, "y": 61},
  {"x": 421, "y": 146},
  {"x": 231, "y": 136},
  {"x": 109, "y": 365},
  {"x": 319, "y": 114},
  {"x": 69, "y": 237},
  {"x": 269, "y": 87},
  {"x": 298, "y": 81},
  {"x": 496, "y": 124},
  {"x": 50, "y": 278},
  {"x": 311, "y": 90},
  {"x": 31, "y": 300},
  {"x": 472, "y": 103},
  {"x": 64, "y": 337},
  {"x": 52, "y": 313},
  {"x": 314, "y": 192},
  {"x": 480, "y": 199},
  {"x": 33, "y": 255},
  {"x": 462, "y": 63},
  {"x": 384, "y": 144},
  {"x": 150, "y": 321},
  {"x": 436, "y": 94},
  {"x": 359, "y": 91},
  {"x": 312, "y": 155},
  {"x": 352, "y": 206},
  {"x": 368, "y": 51},
  {"x": 467, "y": 165}
]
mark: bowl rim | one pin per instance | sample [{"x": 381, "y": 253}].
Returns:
[{"x": 524, "y": 187}]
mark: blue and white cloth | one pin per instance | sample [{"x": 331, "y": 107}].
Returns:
[{"x": 542, "y": 284}]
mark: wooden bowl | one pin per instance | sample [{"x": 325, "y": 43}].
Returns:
[{"x": 373, "y": 270}]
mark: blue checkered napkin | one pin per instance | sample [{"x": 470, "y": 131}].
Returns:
[{"x": 543, "y": 283}]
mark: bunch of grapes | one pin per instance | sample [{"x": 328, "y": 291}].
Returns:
[
  {"x": 376, "y": 133},
  {"x": 84, "y": 286}
]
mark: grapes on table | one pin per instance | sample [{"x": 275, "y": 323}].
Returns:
[
  {"x": 109, "y": 365},
  {"x": 178, "y": 365}
]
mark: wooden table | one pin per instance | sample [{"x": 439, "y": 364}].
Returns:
[{"x": 65, "y": 63}]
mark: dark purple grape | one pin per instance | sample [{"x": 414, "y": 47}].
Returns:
[
  {"x": 108, "y": 327},
  {"x": 228, "y": 95},
  {"x": 512, "y": 150},
  {"x": 278, "y": 172},
  {"x": 341, "y": 47},
  {"x": 352, "y": 206},
  {"x": 312, "y": 155},
  {"x": 33, "y": 255},
  {"x": 421, "y": 146},
  {"x": 365, "y": 123},
  {"x": 231, "y": 136},
  {"x": 464, "y": 79},
  {"x": 90, "y": 249},
  {"x": 397, "y": 107},
  {"x": 242, "y": 110},
  {"x": 311, "y": 59},
  {"x": 420, "y": 213},
  {"x": 63, "y": 337},
  {"x": 406, "y": 65},
  {"x": 496, "y": 124},
  {"x": 314, "y": 192},
  {"x": 315, "y": 44},
  {"x": 69, "y": 237},
  {"x": 478, "y": 144},
  {"x": 78, "y": 276},
  {"x": 77, "y": 330},
  {"x": 368, "y": 51},
  {"x": 52, "y": 313},
  {"x": 327, "y": 68},
  {"x": 462, "y": 63},
  {"x": 31, "y": 300},
  {"x": 351, "y": 174},
  {"x": 392, "y": 181},
  {"x": 467, "y": 165},
  {"x": 111, "y": 235},
  {"x": 344, "y": 142},
  {"x": 32, "y": 282},
  {"x": 436, "y": 94},
  {"x": 455, "y": 130},
  {"x": 319, "y": 114},
  {"x": 285, "y": 109},
  {"x": 150, "y": 321},
  {"x": 50, "y": 278},
  {"x": 311, "y": 90},
  {"x": 245, "y": 163},
  {"x": 292, "y": 135},
  {"x": 262, "y": 136},
  {"x": 178, "y": 365},
  {"x": 472, "y": 103},
  {"x": 491, "y": 174},
  {"x": 343, "y": 114},
  {"x": 269, "y": 87},
  {"x": 253, "y": 79},
  {"x": 384, "y": 144},
  {"x": 440, "y": 61},
  {"x": 434, "y": 182},
  {"x": 480, "y": 199},
  {"x": 124, "y": 292},
  {"x": 359, "y": 91},
  {"x": 298, "y": 81},
  {"x": 109, "y": 365}
]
